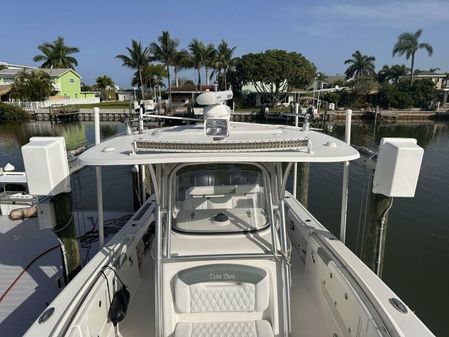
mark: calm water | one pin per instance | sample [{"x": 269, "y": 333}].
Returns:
[{"x": 417, "y": 248}]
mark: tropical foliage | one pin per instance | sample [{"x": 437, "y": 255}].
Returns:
[
  {"x": 408, "y": 44},
  {"x": 85, "y": 87},
  {"x": 31, "y": 86},
  {"x": 106, "y": 86},
  {"x": 275, "y": 72},
  {"x": 181, "y": 61},
  {"x": 56, "y": 54},
  {"x": 197, "y": 53},
  {"x": 360, "y": 65},
  {"x": 152, "y": 76},
  {"x": 10, "y": 112},
  {"x": 391, "y": 96},
  {"x": 392, "y": 74},
  {"x": 222, "y": 63},
  {"x": 361, "y": 94},
  {"x": 136, "y": 59},
  {"x": 165, "y": 51},
  {"x": 423, "y": 93},
  {"x": 209, "y": 59}
]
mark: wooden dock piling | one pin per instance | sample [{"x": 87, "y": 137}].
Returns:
[
  {"x": 303, "y": 183},
  {"x": 65, "y": 230},
  {"x": 375, "y": 232}
]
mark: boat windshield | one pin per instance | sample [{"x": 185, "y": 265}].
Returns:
[{"x": 220, "y": 198}]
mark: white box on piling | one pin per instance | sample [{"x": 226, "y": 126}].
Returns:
[
  {"x": 398, "y": 166},
  {"x": 46, "y": 165}
]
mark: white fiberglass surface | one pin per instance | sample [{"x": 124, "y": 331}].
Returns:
[{"x": 219, "y": 198}]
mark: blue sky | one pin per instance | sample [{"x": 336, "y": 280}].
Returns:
[{"x": 326, "y": 32}]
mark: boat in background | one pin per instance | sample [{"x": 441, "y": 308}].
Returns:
[
  {"x": 13, "y": 190},
  {"x": 220, "y": 248}
]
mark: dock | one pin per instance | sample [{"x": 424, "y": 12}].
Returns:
[
  {"x": 387, "y": 115},
  {"x": 31, "y": 268},
  {"x": 73, "y": 114},
  {"x": 393, "y": 116},
  {"x": 115, "y": 115}
]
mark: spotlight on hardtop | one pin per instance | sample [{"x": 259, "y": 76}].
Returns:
[{"x": 216, "y": 113}]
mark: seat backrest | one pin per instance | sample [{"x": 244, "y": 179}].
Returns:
[{"x": 221, "y": 288}]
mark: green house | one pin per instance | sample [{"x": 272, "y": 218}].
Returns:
[{"x": 66, "y": 82}]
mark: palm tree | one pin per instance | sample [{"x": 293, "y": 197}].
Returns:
[
  {"x": 56, "y": 54},
  {"x": 103, "y": 83},
  {"x": 181, "y": 61},
  {"x": 360, "y": 65},
  {"x": 223, "y": 62},
  {"x": 137, "y": 58},
  {"x": 397, "y": 71},
  {"x": 152, "y": 75},
  {"x": 408, "y": 44},
  {"x": 384, "y": 75},
  {"x": 197, "y": 52},
  {"x": 393, "y": 73},
  {"x": 209, "y": 58},
  {"x": 165, "y": 52}
]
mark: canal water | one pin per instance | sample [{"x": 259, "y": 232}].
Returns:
[{"x": 416, "y": 264}]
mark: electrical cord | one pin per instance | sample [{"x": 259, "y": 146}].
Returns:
[
  {"x": 111, "y": 227},
  {"x": 114, "y": 229},
  {"x": 107, "y": 284},
  {"x": 24, "y": 270},
  {"x": 65, "y": 226},
  {"x": 115, "y": 272}
]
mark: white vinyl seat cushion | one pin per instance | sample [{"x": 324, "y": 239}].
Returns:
[{"x": 258, "y": 328}]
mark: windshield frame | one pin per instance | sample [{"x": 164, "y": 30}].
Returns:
[{"x": 267, "y": 199}]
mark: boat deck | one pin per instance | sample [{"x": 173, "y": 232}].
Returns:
[
  {"x": 139, "y": 321},
  {"x": 310, "y": 315}
]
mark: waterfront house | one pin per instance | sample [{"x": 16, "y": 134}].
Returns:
[
  {"x": 14, "y": 66},
  {"x": 252, "y": 97},
  {"x": 332, "y": 81},
  {"x": 126, "y": 95},
  {"x": 188, "y": 92},
  {"x": 441, "y": 81},
  {"x": 66, "y": 82}
]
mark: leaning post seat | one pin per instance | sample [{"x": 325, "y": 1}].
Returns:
[{"x": 222, "y": 288}]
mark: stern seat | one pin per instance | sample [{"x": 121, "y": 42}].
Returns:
[{"x": 219, "y": 288}]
